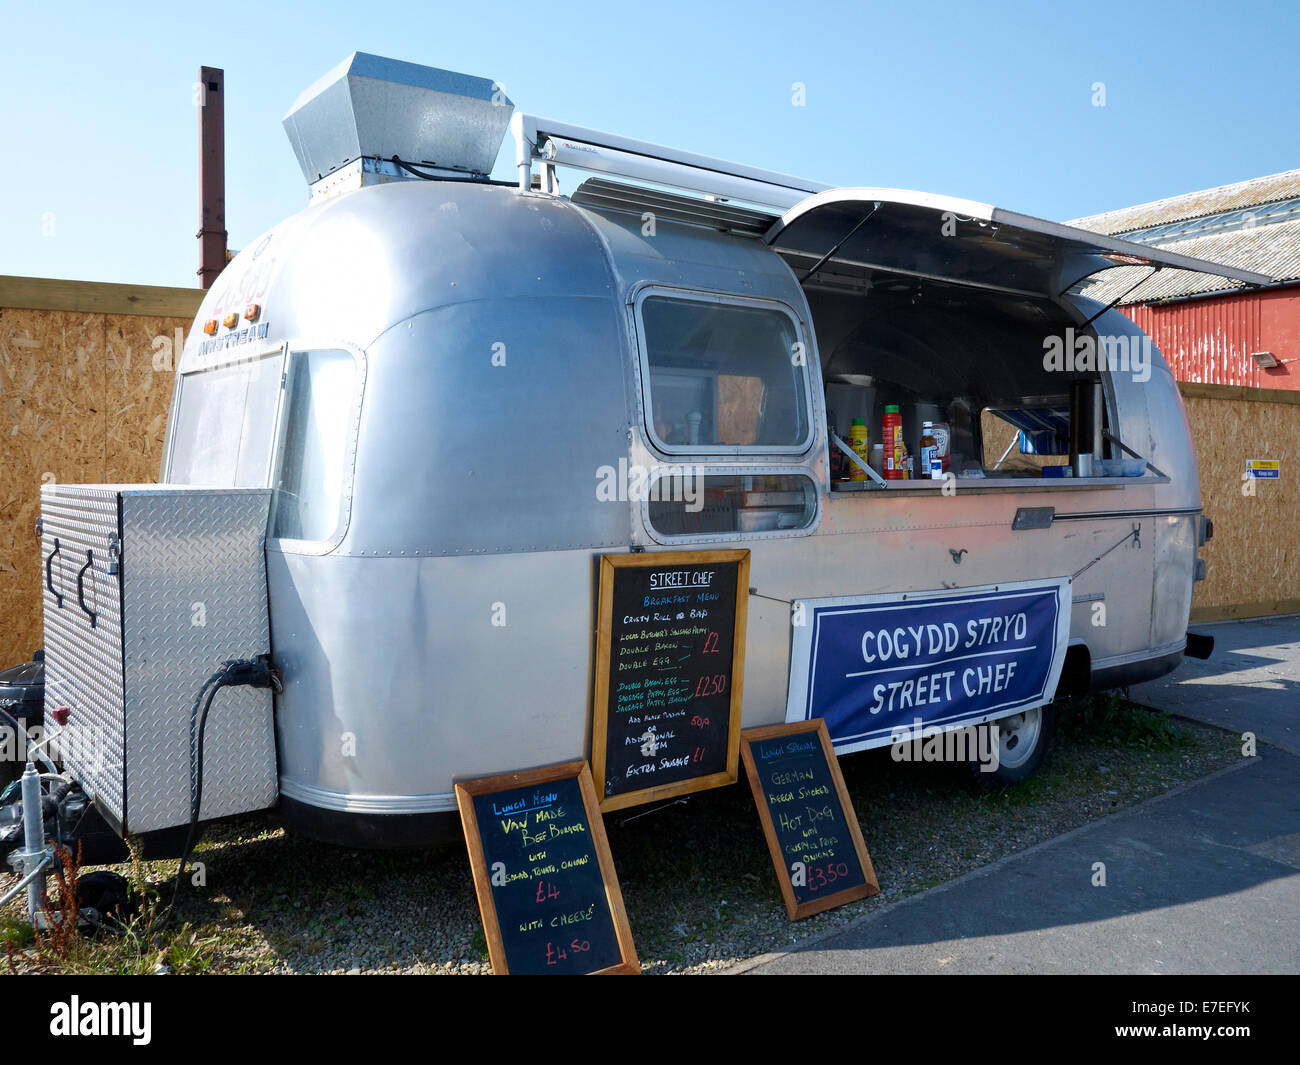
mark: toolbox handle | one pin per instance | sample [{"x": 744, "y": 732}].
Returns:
[
  {"x": 49, "y": 576},
  {"x": 81, "y": 587}
]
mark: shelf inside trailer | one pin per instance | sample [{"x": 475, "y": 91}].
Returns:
[{"x": 998, "y": 484}]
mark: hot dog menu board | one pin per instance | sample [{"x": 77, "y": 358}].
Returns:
[
  {"x": 812, "y": 832},
  {"x": 669, "y": 669},
  {"x": 546, "y": 886}
]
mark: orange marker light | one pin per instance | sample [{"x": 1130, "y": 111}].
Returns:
[
  {"x": 229, "y": 320},
  {"x": 252, "y": 311},
  {"x": 210, "y": 326}
]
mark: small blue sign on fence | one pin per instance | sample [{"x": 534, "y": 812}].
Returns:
[
  {"x": 872, "y": 666},
  {"x": 1264, "y": 469}
]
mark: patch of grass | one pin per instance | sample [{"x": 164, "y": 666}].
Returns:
[
  {"x": 1112, "y": 721},
  {"x": 16, "y": 933}
]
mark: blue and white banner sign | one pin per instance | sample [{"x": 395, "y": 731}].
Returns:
[{"x": 873, "y": 665}]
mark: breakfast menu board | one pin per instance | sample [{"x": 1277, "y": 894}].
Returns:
[
  {"x": 812, "y": 832},
  {"x": 545, "y": 881},
  {"x": 670, "y": 664}
]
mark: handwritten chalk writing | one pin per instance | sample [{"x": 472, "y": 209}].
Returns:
[
  {"x": 794, "y": 779},
  {"x": 681, "y": 578},
  {"x": 555, "y": 881},
  {"x": 577, "y": 917},
  {"x": 670, "y": 654}
]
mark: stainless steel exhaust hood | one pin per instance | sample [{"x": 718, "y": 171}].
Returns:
[{"x": 377, "y": 109}]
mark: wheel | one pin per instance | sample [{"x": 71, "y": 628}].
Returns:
[
  {"x": 1023, "y": 740},
  {"x": 105, "y": 901}
]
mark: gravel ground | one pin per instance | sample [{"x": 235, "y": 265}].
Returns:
[{"x": 697, "y": 880}]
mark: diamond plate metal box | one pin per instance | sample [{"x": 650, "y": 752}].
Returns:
[{"x": 147, "y": 590}]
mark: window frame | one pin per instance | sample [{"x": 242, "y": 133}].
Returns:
[
  {"x": 715, "y": 470},
  {"x": 748, "y": 452},
  {"x": 277, "y": 349},
  {"x": 291, "y": 545}
]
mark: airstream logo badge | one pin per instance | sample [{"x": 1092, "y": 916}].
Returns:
[{"x": 239, "y": 336}]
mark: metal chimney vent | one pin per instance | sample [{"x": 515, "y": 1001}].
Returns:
[{"x": 376, "y": 108}]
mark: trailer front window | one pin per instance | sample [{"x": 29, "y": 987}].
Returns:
[
  {"x": 225, "y": 422},
  {"x": 723, "y": 376}
]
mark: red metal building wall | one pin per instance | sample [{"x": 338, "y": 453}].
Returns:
[{"x": 1211, "y": 340}]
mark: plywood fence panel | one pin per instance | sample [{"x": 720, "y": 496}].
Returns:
[
  {"x": 140, "y": 352},
  {"x": 1254, "y": 559},
  {"x": 81, "y": 400}
]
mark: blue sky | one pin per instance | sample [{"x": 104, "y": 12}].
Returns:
[{"x": 992, "y": 102}]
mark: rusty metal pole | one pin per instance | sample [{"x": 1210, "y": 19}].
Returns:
[{"x": 212, "y": 174}]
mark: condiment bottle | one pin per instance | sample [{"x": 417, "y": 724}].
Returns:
[
  {"x": 858, "y": 442},
  {"x": 892, "y": 438},
  {"x": 931, "y": 463}
]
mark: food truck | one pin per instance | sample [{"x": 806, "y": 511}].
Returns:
[{"x": 410, "y": 422}]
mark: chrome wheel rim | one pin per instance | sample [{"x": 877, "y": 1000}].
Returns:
[{"x": 1018, "y": 737}]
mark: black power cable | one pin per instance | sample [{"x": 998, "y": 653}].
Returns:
[{"x": 254, "y": 672}]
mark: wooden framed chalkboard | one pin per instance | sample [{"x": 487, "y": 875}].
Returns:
[
  {"x": 670, "y": 669},
  {"x": 545, "y": 881},
  {"x": 812, "y": 832}
]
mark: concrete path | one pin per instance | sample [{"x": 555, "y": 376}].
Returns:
[
  {"x": 1250, "y": 684},
  {"x": 1205, "y": 879}
]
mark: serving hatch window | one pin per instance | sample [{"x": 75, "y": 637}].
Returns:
[{"x": 723, "y": 375}]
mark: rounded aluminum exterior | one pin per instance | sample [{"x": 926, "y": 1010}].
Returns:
[{"x": 447, "y": 629}]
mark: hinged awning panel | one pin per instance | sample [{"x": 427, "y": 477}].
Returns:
[{"x": 961, "y": 241}]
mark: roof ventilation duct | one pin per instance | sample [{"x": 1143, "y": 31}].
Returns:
[{"x": 368, "y": 116}]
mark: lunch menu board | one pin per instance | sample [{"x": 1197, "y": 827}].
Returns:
[
  {"x": 546, "y": 886},
  {"x": 670, "y": 659},
  {"x": 812, "y": 832}
]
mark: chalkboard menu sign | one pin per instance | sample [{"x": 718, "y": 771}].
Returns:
[
  {"x": 812, "y": 832},
  {"x": 545, "y": 880},
  {"x": 670, "y": 665}
]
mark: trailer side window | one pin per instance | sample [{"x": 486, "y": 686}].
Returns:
[
  {"x": 723, "y": 376},
  {"x": 310, "y": 488},
  {"x": 686, "y": 502}
]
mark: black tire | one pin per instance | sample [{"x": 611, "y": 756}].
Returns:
[
  {"x": 1016, "y": 761},
  {"x": 106, "y": 901}
]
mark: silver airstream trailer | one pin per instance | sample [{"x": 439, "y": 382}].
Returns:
[{"x": 455, "y": 394}]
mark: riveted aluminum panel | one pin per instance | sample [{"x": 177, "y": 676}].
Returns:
[
  {"x": 191, "y": 593},
  {"x": 83, "y": 664},
  {"x": 194, "y": 595}
]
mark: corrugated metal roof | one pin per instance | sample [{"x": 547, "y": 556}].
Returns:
[
  {"x": 1195, "y": 204},
  {"x": 1271, "y": 248}
]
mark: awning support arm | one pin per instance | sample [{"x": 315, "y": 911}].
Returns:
[
  {"x": 847, "y": 236},
  {"x": 1129, "y": 451},
  {"x": 1155, "y": 269},
  {"x": 856, "y": 459}
]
